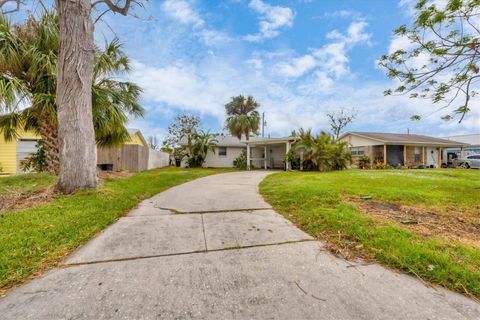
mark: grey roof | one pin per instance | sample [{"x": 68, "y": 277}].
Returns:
[{"x": 406, "y": 138}]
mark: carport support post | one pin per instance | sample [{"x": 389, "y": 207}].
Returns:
[
  {"x": 248, "y": 156},
  {"x": 385, "y": 154},
  {"x": 405, "y": 155},
  {"x": 265, "y": 157},
  {"x": 287, "y": 163},
  {"x": 440, "y": 157},
  {"x": 423, "y": 155}
]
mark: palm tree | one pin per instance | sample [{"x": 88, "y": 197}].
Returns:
[
  {"x": 202, "y": 143},
  {"x": 28, "y": 71},
  {"x": 321, "y": 152},
  {"x": 242, "y": 116}
]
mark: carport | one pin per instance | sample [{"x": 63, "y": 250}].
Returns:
[{"x": 269, "y": 153}]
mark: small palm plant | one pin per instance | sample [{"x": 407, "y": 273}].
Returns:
[
  {"x": 202, "y": 143},
  {"x": 242, "y": 116},
  {"x": 321, "y": 152}
]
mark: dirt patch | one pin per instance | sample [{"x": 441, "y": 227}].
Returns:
[
  {"x": 19, "y": 200},
  {"x": 452, "y": 224}
]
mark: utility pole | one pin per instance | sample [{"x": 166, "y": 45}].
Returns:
[{"x": 264, "y": 124}]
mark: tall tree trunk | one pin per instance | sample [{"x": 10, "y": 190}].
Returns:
[
  {"x": 49, "y": 132},
  {"x": 76, "y": 137}
]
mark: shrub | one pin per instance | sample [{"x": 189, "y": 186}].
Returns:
[
  {"x": 380, "y": 165},
  {"x": 294, "y": 160},
  {"x": 240, "y": 162},
  {"x": 322, "y": 151},
  {"x": 36, "y": 161},
  {"x": 364, "y": 162}
]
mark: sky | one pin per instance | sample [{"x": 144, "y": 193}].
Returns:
[{"x": 300, "y": 59}]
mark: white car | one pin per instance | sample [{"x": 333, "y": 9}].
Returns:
[{"x": 472, "y": 161}]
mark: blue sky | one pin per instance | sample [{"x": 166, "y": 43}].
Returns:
[{"x": 299, "y": 58}]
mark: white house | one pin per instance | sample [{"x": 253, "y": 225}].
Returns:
[{"x": 267, "y": 153}]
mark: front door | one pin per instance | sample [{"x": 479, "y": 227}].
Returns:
[{"x": 432, "y": 157}]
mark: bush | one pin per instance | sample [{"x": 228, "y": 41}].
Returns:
[
  {"x": 364, "y": 162},
  {"x": 322, "y": 151},
  {"x": 240, "y": 162},
  {"x": 36, "y": 162},
  {"x": 294, "y": 160},
  {"x": 379, "y": 165}
]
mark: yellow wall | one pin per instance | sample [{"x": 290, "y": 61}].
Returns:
[
  {"x": 8, "y": 151},
  {"x": 136, "y": 139},
  {"x": 8, "y": 156}
]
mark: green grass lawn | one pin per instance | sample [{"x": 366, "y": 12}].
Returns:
[
  {"x": 25, "y": 183},
  {"x": 315, "y": 202},
  {"x": 36, "y": 239}
]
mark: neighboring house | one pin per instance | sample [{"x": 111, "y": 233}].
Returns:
[
  {"x": 474, "y": 146},
  {"x": 267, "y": 153},
  {"x": 136, "y": 137},
  {"x": 394, "y": 149},
  {"x": 12, "y": 152}
]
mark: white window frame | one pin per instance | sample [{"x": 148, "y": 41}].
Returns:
[{"x": 357, "y": 151}]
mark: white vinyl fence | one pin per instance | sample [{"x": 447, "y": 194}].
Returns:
[{"x": 157, "y": 159}]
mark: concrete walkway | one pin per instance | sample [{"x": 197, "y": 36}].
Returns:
[{"x": 213, "y": 249}]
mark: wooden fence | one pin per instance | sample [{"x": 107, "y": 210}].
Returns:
[{"x": 130, "y": 157}]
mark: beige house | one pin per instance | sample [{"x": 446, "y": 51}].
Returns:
[
  {"x": 266, "y": 153},
  {"x": 394, "y": 149}
]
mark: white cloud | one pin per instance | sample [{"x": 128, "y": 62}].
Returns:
[
  {"x": 331, "y": 59},
  {"x": 255, "y": 63},
  {"x": 297, "y": 67},
  {"x": 182, "y": 11},
  {"x": 272, "y": 19}
]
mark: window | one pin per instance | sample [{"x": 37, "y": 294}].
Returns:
[
  {"x": 222, "y": 151},
  {"x": 417, "y": 154},
  {"x": 357, "y": 151}
]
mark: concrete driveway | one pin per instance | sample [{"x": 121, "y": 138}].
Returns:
[{"x": 214, "y": 249}]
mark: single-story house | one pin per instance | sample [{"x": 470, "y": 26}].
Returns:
[
  {"x": 395, "y": 149},
  {"x": 12, "y": 152},
  {"x": 267, "y": 153}
]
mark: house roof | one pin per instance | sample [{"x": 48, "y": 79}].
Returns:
[
  {"x": 133, "y": 131},
  {"x": 230, "y": 141},
  {"x": 400, "y": 138}
]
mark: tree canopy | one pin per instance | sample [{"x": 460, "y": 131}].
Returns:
[{"x": 441, "y": 61}]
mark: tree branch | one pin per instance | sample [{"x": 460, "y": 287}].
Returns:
[
  {"x": 5, "y": 2},
  {"x": 123, "y": 10}
]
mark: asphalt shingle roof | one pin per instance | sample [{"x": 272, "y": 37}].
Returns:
[{"x": 407, "y": 138}]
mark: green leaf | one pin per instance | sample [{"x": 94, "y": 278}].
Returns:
[
  {"x": 454, "y": 5},
  {"x": 438, "y": 17},
  {"x": 415, "y": 117}
]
